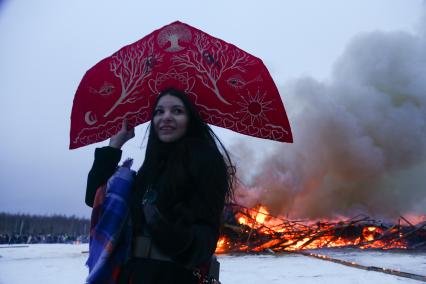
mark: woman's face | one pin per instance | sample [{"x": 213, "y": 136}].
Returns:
[{"x": 170, "y": 119}]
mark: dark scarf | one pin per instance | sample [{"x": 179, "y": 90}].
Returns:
[{"x": 148, "y": 177}]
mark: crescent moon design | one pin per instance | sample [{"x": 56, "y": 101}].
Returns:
[{"x": 90, "y": 118}]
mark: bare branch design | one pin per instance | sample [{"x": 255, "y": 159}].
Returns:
[
  {"x": 211, "y": 60},
  {"x": 132, "y": 65}
]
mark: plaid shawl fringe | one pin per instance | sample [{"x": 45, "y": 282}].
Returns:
[{"x": 110, "y": 228}]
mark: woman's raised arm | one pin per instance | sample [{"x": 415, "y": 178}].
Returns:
[{"x": 106, "y": 161}]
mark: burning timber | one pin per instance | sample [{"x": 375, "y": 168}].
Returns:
[{"x": 256, "y": 231}]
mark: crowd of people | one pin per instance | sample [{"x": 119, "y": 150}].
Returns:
[{"x": 42, "y": 239}]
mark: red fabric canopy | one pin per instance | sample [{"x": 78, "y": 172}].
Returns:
[{"x": 229, "y": 87}]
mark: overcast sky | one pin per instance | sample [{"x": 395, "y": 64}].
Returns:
[{"x": 46, "y": 47}]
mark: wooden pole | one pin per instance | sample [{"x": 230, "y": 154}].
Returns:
[{"x": 369, "y": 268}]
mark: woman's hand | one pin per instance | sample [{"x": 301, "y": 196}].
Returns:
[{"x": 125, "y": 134}]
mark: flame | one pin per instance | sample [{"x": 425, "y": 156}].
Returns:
[
  {"x": 261, "y": 214},
  {"x": 257, "y": 230},
  {"x": 221, "y": 245},
  {"x": 242, "y": 220},
  {"x": 371, "y": 233}
]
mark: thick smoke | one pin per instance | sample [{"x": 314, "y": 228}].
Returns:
[{"x": 360, "y": 138}]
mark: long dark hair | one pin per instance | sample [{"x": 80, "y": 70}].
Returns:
[{"x": 157, "y": 155}]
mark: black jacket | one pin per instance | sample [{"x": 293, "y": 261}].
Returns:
[{"x": 188, "y": 229}]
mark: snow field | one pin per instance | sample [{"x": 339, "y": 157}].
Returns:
[{"x": 60, "y": 263}]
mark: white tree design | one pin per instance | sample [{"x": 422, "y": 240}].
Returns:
[
  {"x": 172, "y": 35},
  {"x": 132, "y": 66},
  {"x": 211, "y": 60}
]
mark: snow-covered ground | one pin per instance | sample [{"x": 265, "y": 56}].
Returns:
[{"x": 58, "y": 263}]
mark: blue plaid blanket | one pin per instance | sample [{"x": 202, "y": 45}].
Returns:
[{"x": 110, "y": 230}]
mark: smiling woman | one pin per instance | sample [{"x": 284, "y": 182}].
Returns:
[
  {"x": 170, "y": 118},
  {"x": 175, "y": 202}
]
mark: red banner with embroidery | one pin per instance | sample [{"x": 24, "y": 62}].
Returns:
[{"x": 229, "y": 87}]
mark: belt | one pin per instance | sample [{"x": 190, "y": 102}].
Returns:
[{"x": 144, "y": 248}]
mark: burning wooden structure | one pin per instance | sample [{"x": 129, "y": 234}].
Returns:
[{"x": 255, "y": 231}]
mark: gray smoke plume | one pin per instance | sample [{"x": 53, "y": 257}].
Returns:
[{"x": 359, "y": 139}]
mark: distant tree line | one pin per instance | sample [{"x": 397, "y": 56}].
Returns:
[{"x": 25, "y": 228}]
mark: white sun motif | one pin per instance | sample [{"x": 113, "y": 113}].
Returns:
[{"x": 254, "y": 108}]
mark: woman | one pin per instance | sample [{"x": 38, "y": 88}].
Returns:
[{"x": 178, "y": 195}]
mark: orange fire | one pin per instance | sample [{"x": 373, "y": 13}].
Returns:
[{"x": 257, "y": 230}]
